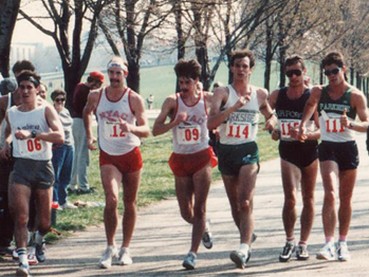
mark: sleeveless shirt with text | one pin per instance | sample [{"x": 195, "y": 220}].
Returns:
[
  {"x": 192, "y": 135},
  {"x": 241, "y": 125},
  {"x": 330, "y": 112},
  {"x": 30, "y": 148},
  {"x": 111, "y": 139}
]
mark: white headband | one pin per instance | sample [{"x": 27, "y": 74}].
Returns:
[{"x": 118, "y": 64}]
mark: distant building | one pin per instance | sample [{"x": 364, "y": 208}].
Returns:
[{"x": 22, "y": 51}]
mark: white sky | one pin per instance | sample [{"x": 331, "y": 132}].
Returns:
[{"x": 24, "y": 32}]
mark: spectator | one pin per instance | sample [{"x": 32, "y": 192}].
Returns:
[
  {"x": 63, "y": 153},
  {"x": 81, "y": 155}
]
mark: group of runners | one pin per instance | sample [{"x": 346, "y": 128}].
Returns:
[{"x": 296, "y": 115}]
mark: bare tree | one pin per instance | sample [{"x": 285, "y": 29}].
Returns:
[
  {"x": 133, "y": 21},
  {"x": 8, "y": 17},
  {"x": 75, "y": 50}
]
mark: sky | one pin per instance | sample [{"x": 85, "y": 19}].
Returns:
[{"x": 24, "y": 32}]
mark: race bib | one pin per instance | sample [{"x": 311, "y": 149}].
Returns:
[
  {"x": 238, "y": 130},
  {"x": 285, "y": 126},
  {"x": 112, "y": 130},
  {"x": 30, "y": 146},
  {"x": 188, "y": 134},
  {"x": 333, "y": 125}
]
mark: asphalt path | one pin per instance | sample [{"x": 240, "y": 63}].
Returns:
[{"x": 162, "y": 238}]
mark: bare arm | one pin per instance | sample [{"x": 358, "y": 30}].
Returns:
[
  {"x": 358, "y": 101},
  {"x": 216, "y": 116},
  {"x": 88, "y": 110},
  {"x": 310, "y": 108},
  {"x": 167, "y": 111},
  {"x": 141, "y": 129},
  {"x": 266, "y": 110}
]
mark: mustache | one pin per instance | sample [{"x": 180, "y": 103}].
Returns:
[{"x": 112, "y": 80}]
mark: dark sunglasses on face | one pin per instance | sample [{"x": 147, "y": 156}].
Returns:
[
  {"x": 59, "y": 100},
  {"x": 296, "y": 72},
  {"x": 333, "y": 71}
]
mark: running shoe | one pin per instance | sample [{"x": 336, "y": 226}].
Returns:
[
  {"x": 23, "y": 270},
  {"x": 15, "y": 255},
  {"x": 68, "y": 205},
  {"x": 240, "y": 258},
  {"x": 189, "y": 261},
  {"x": 207, "y": 237},
  {"x": 124, "y": 257},
  {"x": 106, "y": 259},
  {"x": 343, "y": 252},
  {"x": 40, "y": 252},
  {"x": 32, "y": 260},
  {"x": 287, "y": 251},
  {"x": 302, "y": 253},
  {"x": 328, "y": 252}
]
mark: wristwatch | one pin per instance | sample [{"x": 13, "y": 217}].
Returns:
[{"x": 33, "y": 134}]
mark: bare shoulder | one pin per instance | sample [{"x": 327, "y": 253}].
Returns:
[{"x": 262, "y": 93}]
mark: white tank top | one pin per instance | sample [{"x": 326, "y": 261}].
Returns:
[
  {"x": 241, "y": 125},
  {"x": 192, "y": 135},
  {"x": 111, "y": 139},
  {"x": 31, "y": 148}
]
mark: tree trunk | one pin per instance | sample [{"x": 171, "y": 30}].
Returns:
[{"x": 8, "y": 16}]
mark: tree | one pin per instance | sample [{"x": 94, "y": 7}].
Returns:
[
  {"x": 132, "y": 21},
  {"x": 8, "y": 17},
  {"x": 75, "y": 50}
]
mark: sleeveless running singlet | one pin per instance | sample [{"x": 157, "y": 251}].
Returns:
[
  {"x": 289, "y": 113},
  {"x": 192, "y": 135},
  {"x": 241, "y": 125},
  {"x": 330, "y": 112},
  {"x": 111, "y": 139},
  {"x": 31, "y": 148}
]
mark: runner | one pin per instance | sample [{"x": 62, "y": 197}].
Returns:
[
  {"x": 338, "y": 103},
  {"x": 299, "y": 158},
  {"x": 192, "y": 157},
  {"x": 122, "y": 121}
]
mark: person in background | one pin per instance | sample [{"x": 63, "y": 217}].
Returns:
[
  {"x": 235, "y": 112},
  {"x": 63, "y": 153},
  {"x": 31, "y": 127},
  {"x": 122, "y": 122},
  {"x": 299, "y": 158},
  {"x": 43, "y": 91},
  {"x": 81, "y": 159},
  {"x": 192, "y": 157},
  {"x": 338, "y": 104}
]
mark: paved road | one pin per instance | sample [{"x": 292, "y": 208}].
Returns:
[{"x": 162, "y": 238}]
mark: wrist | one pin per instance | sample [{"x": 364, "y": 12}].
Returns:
[{"x": 33, "y": 134}]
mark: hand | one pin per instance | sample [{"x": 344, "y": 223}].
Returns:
[
  {"x": 344, "y": 119},
  {"x": 124, "y": 126},
  {"x": 276, "y": 134},
  {"x": 301, "y": 135},
  {"x": 91, "y": 143},
  {"x": 181, "y": 117},
  {"x": 242, "y": 100},
  {"x": 22, "y": 134}
]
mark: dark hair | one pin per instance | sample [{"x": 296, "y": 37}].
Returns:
[
  {"x": 58, "y": 92},
  {"x": 239, "y": 54},
  {"x": 31, "y": 76},
  {"x": 333, "y": 58},
  {"x": 22, "y": 65},
  {"x": 295, "y": 59},
  {"x": 189, "y": 69}
]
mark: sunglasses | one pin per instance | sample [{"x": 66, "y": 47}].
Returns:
[
  {"x": 296, "y": 72},
  {"x": 59, "y": 100},
  {"x": 333, "y": 71}
]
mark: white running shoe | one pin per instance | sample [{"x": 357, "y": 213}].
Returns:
[
  {"x": 189, "y": 261},
  {"x": 32, "y": 260},
  {"x": 23, "y": 270},
  {"x": 68, "y": 205},
  {"x": 328, "y": 252},
  {"x": 107, "y": 257},
  {"x": 124, "y": 257},
  {"x": 343, "y": 252}
]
